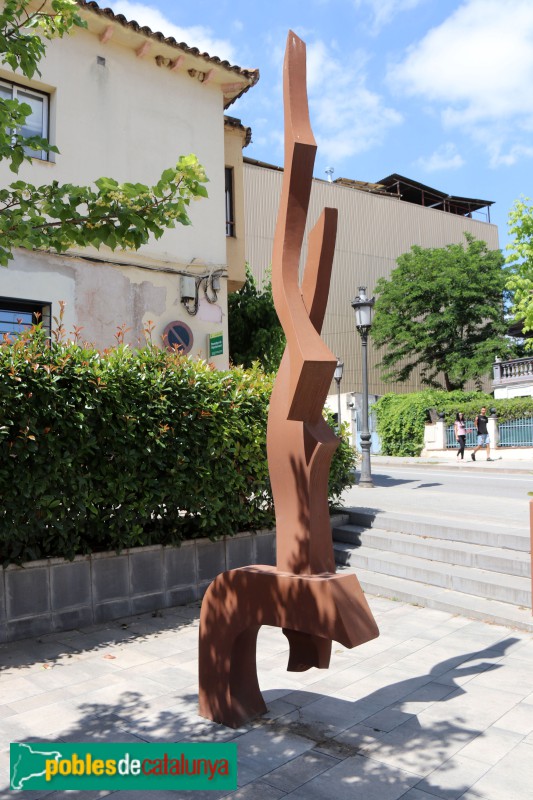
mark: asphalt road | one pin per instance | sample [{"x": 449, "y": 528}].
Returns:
[{"x": 479, "y": 497}]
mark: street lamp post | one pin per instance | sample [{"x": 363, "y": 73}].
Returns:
[
  {"x": 338, "y": 378},
  {"x": 363, "y": 321}
]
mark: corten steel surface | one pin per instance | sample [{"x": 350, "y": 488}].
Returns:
[{"x": 302, "y": 594}]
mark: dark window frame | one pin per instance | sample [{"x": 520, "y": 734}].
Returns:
[
  {"x": 230, "y": 201},
  {"x": 41, "y": 311},
  {"x": 15, "y": 87}
]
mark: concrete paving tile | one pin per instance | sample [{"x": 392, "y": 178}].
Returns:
[
  {"x": 263, "y": 750},
  {"x": 15, "y": 689},
  {"x": 394, "y": 653},
  {"x": 453, "y": 777},
  {"x": 337, "y": 681},
  {"x": 326, "y": 717},
  {"x": 245, "y": 776},
  {"x": 424, "y": 697},
  {"x": 57, "y": 717},
  {"x": 171, "y": 677},
  {"x": 464, "y": 673},
  {"x": 518, "y": 720},
  {"x": 73, "y": 795},
  {"x": 376, "y": 646},
  {"x": 420, "y": 748},
  {"x": 300, "y": 698},
  {"x": 300, "y": 770},
  {"x": 352, "y": 741},
  {"x": 12, "y": 730},
  {"x": 278, "y": 708},
  {"x": 107, "y": 635},
  {"x": 166, "y": 794},
  {"x": 417, "y": 794},
  {"x": 183, "y": 661},
  {"x": 477, "y": 707},
  {"x": 59, "y": 676},
  {"x": 125, "y": 688},
  {"x": 101, "y": 663},
  {"x": 33, "y": 795},
  {"x": 279, "y": 681},
  {"x": 38, "y": 701},
  {"x": 132, "y": 655},
  {"x": 515, "y": 677},
  {"x": 270, "y": 695},
  {"x": 384, "y": 688},
  {"x": 256, "y": 791},
  {"x": 357, "y": 777},
  {"x": 522, "y": 648},
  {"x": 510, "y": 779},
  {"x": 492, "y": 745},
  {"x": 388, "y": 719},
  {"x": 436, "y": 660},
  {"x": 93, "y": 684},
  {"x": 165, "y": 646},
  {"x": 112, "y": 734}
]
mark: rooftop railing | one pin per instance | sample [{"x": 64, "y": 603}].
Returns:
[{"x": 515, "y": 371}]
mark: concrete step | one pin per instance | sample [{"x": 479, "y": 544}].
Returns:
[
  {"x": 466, "y": 554},
  {"x": 470, "y": 580},
  {"x": 441, "y": 599},
  {"x": 503, "y": 536}
]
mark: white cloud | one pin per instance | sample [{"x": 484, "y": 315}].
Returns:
[
  {"x": 477, "y": 69},
  {"x": 384, "y": 11},
  {"x": 445, "y": 157},
  {"x": 347, "y": 117},
  {"x": 194, "y": 36}
]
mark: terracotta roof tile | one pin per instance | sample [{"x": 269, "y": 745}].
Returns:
[{"x": 252, "y": 75}]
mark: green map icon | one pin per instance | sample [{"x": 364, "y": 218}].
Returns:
[{"x": 28, "y": 763}]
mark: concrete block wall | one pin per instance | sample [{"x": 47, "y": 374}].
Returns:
[{"x": 55, "y": 595}]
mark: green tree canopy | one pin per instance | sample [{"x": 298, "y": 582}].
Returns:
[
  {"x": 442, "y": 310},
  {"x": 58, "y": 216},
  {"x": 520, "y": 282},
  {"x": 255, "y": 333}
]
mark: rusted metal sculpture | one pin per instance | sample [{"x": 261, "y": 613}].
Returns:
[{"x": 302, "y": 594}]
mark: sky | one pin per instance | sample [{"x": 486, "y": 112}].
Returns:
[{"x": 440, "y": 91}]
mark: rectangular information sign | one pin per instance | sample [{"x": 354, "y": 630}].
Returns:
[
  {"x": 215, "y": 344},
  {"x": 57, "y": 766}
]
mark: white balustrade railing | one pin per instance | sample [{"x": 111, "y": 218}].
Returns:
[{"x": 517, "y": 370}]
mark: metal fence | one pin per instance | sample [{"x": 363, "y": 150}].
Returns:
[
  {"x": 516, "y": 433},
  {"x": 471, "y": 438}
]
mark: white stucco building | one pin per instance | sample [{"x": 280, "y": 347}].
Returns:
[{"x": 125, "y": 102}]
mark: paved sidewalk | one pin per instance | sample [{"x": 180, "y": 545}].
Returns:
[
  {"x": 437, "y": 706},
  {"x": 448, "y": 460}
]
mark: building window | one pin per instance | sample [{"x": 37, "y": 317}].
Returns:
[
  {"x": 230, "y": 221},
  {"x": 37, "y": 122},
  {"x": 16, "y": 316}
]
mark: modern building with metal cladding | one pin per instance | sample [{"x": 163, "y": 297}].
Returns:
[{"x": 377, "y": 223}]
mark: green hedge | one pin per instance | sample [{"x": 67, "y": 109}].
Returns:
[
  {"x": 401, "y": 417},
  {"x": 128, "y": 448}
]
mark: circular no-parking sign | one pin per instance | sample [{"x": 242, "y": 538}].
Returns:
[{"x": 178, "y": 335}]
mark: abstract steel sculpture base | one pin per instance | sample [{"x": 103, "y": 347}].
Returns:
[
  {"x": 311, "y": 609},
  {"x": 302, "y": 594}
]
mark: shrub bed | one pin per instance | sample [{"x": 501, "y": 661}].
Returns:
[
  {"x": 102, "y": 451},
  {"x": 401, "y": 417}
]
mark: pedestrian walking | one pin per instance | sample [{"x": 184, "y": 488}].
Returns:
[
  {"x": 459, "y": 427},
  {"x": 481, "y": 423}
]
